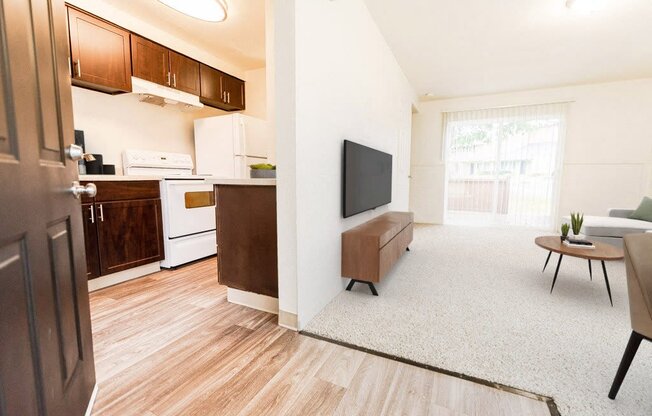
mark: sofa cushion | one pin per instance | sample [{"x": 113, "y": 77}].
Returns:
[
  {"x": 644, "y": 211},
  {"x": 613, "y": 226}
]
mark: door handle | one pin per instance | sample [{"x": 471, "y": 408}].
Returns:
[
  {"x": 101, "y": 216},
  {"x": 92, "y": 210},
  {"x": 78, "y": 69},
  {"x": 76, "y": 152},
  {"x": 228, "y": 97},
  {"x": 168, "y": 78},
  {"x": 174, "y": 80},
  {"x": 78, "y": 190}
]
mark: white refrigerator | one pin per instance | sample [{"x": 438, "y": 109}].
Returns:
[{"x": 225, "y": 146}]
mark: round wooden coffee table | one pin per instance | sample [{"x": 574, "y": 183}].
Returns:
[{"x": 602, "y": 252}]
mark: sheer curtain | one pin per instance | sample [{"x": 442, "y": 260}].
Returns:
[{"x": 503, "y": 165}]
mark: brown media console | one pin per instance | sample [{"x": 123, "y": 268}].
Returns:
[{"x": 371, "y": 249}]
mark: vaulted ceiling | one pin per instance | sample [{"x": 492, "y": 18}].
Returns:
[{"x": 471, "y": 47}]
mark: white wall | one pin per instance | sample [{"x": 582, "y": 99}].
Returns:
[
  {"x": 112, "y": 123},
  {"x": 346, "y": 85},
  {"x": 256, "y": 93},
  {"x": 608, "y": 152}
]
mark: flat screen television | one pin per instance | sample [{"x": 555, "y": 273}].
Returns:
[{"x": 367, "y": 178}]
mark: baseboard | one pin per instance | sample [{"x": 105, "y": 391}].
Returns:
[
  {"x": 288, "y": 320},
  {"x": 123, "y": 276},
  {"x": 91, "y": 402},
  {"x": 252, "y": 300}
]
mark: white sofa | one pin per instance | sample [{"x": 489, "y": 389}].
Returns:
[{"x": 613, "y": 228}]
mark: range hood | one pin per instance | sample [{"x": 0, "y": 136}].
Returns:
[{"x": 156, "y": 94}]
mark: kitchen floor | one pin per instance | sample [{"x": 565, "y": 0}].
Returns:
[{"x": 170, "y": 344}]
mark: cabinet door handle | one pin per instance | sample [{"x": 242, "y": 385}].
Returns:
[
  {"x": 78, "y": 69},
  {"x": 174, "y": 80},
  {"x": 92, "y": 210},
  {"x": 168, "y": 78},
  {"x": 228, "y": 97},
  {"x": 101, "y": 216}
]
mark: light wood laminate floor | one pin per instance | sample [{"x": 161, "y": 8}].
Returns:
[{"x": 170, "y": 344}]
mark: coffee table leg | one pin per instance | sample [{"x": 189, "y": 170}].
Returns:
[
  {"x": 590, "y": 270},
  {"x": 606, "y": 280},
  {"x": 547, "y": 260},
  {"x": 561, "y": 256}
]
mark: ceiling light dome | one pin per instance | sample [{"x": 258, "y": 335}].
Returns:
[
  {"x": 586, "y": 5},
  {"x": 208, "y": 10}
]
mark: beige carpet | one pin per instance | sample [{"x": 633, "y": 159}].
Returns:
[{"x": 474, "y": 301}]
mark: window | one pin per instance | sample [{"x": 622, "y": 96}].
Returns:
[{"x": 503, "y": 165}]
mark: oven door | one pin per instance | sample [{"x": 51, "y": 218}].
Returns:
[{"x": 189, "y": 207}]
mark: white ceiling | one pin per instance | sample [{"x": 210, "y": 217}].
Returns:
[
  {"x": 471, "y": 47},
  {"x": 240, "y": 39}
]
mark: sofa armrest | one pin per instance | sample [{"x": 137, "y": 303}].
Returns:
[{"x": 620, "y": 212}]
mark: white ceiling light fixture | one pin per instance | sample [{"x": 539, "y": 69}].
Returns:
[
  {"x": 585, "y": 5},
  {"x": 208, "y": 10}
]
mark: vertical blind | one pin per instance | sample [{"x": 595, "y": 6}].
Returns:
[{"x": 503, "y": 165}]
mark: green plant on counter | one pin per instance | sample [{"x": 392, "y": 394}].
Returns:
[
  {"x": 577, "y": 220},
  {"x": 564, "y": 229},
  {"x": 263, "y": 166}
]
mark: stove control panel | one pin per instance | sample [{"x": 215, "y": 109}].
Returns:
[{"x": 154, "y": 159}]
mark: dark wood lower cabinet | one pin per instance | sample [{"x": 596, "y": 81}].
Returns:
[
  {"x": 122, "y": 232},
  {"x": 129, "y": 233},
  {"x": 90, "y": 237},
  {"x": 246, "y": 238}
]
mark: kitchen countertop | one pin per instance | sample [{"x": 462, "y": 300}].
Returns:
[
  {"x": 98, "y": 178},
  {"x": 244, "y": 181},
  {"x": 208, "y": 179}
]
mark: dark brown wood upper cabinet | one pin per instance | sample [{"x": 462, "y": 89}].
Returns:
[
  {"x": 185, "y": 73},
  {"x": 235, "y": 94},
  {"x": 221, "y": 90},
  {"x": 211, "y": 86},
  {"x": 150, "y": 61},
  {"x": 100, "y": 55}
]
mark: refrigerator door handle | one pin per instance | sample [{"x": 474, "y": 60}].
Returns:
[
  {"x": 243, "y": 138},
  {"x": 240, "y": 167}
]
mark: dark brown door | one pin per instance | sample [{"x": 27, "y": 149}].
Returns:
[
  {"x": 129, "y": 234},
  {"x": 90, "y": 238},
  {"x": 46, "y": 352},
  {"x": 185, "y": 73},
  {"x": 100, "y": 53},
  {"x": 150, "y": 61}
]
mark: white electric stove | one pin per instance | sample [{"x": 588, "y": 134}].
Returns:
[{"x": 187, "y": 201}]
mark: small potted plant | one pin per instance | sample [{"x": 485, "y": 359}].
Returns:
[
  {"x": 262, "y": 170},
  {"x": 565, "y": 227},
  {"x": 577, "y": 220}
]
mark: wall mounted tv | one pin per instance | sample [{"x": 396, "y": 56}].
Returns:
[{"x": 367, "y": 178}]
